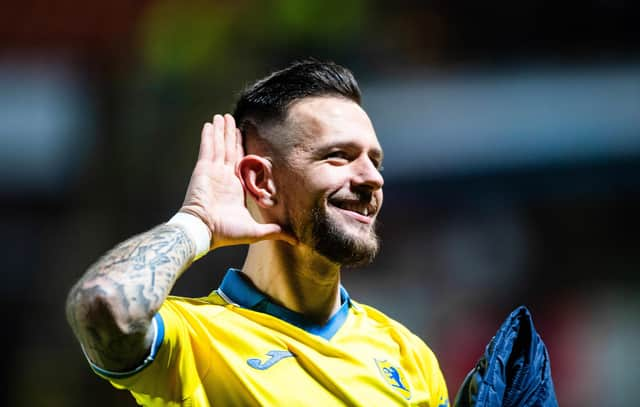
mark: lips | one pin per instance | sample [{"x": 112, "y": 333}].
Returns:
[{"x": 363, "y": 211}]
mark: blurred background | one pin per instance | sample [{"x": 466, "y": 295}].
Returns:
[{"x": 512, "y": 140}]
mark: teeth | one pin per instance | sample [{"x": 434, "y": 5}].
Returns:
[{"x": 355, "y": 207}]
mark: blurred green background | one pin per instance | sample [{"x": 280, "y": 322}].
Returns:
[{"x": 512, "y": 141}]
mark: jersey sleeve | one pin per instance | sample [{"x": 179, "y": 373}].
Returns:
[
  {"x": 163, "y": 378},
  {"x": 433, "y": 374},
  {"x": 441, "y": 395}
]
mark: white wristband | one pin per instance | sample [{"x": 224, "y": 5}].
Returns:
[{"x": 195, "y": 229}]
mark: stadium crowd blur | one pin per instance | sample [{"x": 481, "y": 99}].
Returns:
[{"x": 512, "y": 142}]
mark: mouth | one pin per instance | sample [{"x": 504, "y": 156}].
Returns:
[{"x": 361, "y": 211}]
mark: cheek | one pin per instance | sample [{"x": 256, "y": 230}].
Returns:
[
  {"x": 319, "y": 182},
  {"x": 297, "y": 199},
  {"x": 328, "y": 179},
  {"x": 300, "y": 192}
]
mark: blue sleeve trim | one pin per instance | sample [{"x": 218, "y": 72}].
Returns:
[{"x": 158, "y": 337}]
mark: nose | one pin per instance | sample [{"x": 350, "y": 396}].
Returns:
[{"x": 367, "y": 174}]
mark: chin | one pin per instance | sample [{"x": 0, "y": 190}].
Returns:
[{"x": 344, "y": 244}]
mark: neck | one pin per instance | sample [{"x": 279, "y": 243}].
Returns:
[{"x": 295, "y": 277}]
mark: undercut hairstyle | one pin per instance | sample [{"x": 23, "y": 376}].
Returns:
[{"x": 263, "y": 106}]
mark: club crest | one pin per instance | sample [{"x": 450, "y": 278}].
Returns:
[{"x": 394, "y": 377}]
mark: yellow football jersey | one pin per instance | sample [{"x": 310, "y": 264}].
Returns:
[{"x": 237, "y": 348}]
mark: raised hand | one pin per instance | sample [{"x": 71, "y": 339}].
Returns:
[
  {"x": 111, "y": 307},
  {"x": 215, "y": 193}
]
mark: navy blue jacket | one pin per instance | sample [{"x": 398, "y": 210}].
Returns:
[{"x": 514, "y": 370}]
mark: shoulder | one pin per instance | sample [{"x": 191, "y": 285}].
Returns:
[
  {"x": 212, "y": 300},
  {"x": 180, "y": 309},
  {"x": 380, "y": 321}
]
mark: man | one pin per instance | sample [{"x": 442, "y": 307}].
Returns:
[{"x": 301, "y": 184}]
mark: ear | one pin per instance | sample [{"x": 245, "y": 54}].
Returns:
[{"x": 256, "y": 175}]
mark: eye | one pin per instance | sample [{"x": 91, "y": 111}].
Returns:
[{"x": 337, "y": 155}]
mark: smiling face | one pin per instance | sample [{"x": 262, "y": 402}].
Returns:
[{"x": 331, "y": 186}]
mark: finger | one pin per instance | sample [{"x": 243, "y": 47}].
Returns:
[
  {"x": 218, "y": 138},
  {"x": 206, "y": 142},
  {"x": 239, "y": 147},
  {"x": 272, "y": 231},
  {"x": 229, "y": 138},
  {"x": 239, "y": 155}
]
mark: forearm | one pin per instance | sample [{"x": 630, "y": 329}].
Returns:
[{"x": 110, "y": 309}]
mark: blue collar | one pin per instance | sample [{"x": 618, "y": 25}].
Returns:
[{"x": 237, "y": 288}]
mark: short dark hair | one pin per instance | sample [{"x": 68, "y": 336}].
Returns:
[{"x": 266, "y": 102}]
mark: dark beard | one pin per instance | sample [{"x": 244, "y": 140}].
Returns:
[{"x": 339, "y": 247}]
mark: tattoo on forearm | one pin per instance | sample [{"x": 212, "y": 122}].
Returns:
[
  {"x": 159, "y": 253},
  {"x": 139, "y": 273},
  {"x": 146, "y": 266}
]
